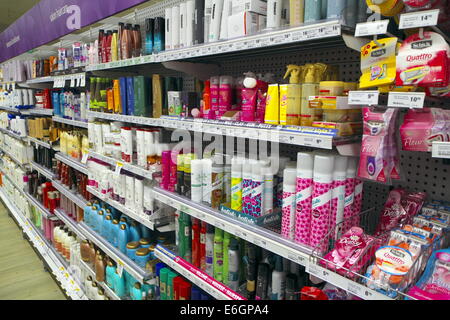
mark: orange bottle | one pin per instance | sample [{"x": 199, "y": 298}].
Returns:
[{"x": 206, "y": 99}]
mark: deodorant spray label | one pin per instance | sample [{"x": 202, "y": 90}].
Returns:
[{"x": 236, "y": 194}]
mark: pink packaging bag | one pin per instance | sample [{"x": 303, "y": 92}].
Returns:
[
  {"x": 423, "y": 61},
  {"x": 377, "y": 149},
  {"x": 321, "y": 211},
  {"x": 422, "y": 127},
  {"x": 303, "y": 211},
  {"x": 393, "y": 212},
  {"x": 351, "y": 252}
]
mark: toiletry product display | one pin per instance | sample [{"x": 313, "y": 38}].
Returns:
[
  {"x": 74, "y": 143},
  {"x": 230, "y": 149}
]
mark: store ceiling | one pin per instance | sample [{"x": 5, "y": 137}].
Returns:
[{"x": 10, "y": 11}]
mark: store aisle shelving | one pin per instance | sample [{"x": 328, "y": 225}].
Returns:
[{"x": 22, "y": 276}]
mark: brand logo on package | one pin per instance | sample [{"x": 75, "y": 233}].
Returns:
[
  {"x": 73, "y": 20},
  {"x": 378, "y": 53},
  {"x": 422, "y": 44}
]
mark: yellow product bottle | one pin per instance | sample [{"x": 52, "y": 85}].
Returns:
[
  {"x": 290, "y": 104},
  {"x": 117, "y": 100},
  {"x": 114, "y": 47},
  {"x": 297, "y": 12},
  {"x": 309, "y": 88},
  {"x": 378, "y": 64},
  {"x": 63, "y": 142},
  {"x": 84, "y": 145},
  {"x": 272, "y": 115}
]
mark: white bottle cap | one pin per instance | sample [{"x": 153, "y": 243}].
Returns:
[
  {"x": 323, "y": 169},
  {"x": 236, "y": 166},
  {"x": 340, "y": 168},
  {"x": 305, "y": 164},
  {"x": 247, "y": 169},
  {"x": 352, "y": 167},
  {"x": 290, "y": 177}
]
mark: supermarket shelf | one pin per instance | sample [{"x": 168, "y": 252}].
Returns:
[
  {"x": 14, "y": 135},
  {"x": 126, "y": 166},
  {"x": 196, "y": 276},
  {"x": 39, "y": 142},
  {"x": 122, "y": 260},
  {"x": 75, "y": 164},
  {"x": 256, "y": 235},
  {"x": 441, "y": 150},
  {"x": 69, "y": 222},
  {"x": 108, "y": 291},
  {"x": 267, "y": 240},
  {"x": 40, "y": 80},
  {"x": 56, "y": 263},
  {"x": 302, "y": 136},
  {"x": 45, "y": 212},
  {"x": 122, "y": 208},
  {"x": 353, "y": 287},
  {"x": 260, "y": 41},
  {"x": 42, "y": 170},
  {"x": 10, "y": 109},
  {"x": 74, "y": 197},
  {"x": 75, "y": 123},
  {"x": 13, "y": 158},
  {"x": 41, "y": 112},
  {"x": 13, "y": 183}
]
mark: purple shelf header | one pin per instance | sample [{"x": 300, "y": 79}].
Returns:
[{"x": 51, "y": 19}]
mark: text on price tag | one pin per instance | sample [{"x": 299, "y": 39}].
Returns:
[
  {"x": 369, "y": 98},
  {"x": 419, "y": 19},
  {"x": 414, "y": 100},
  {"x": 371, "y": 28}
]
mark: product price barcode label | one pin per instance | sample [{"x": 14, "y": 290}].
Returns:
[
  {"x": 371, "y": 28},
  {"x": 119, "y": 166},
  {"x": 359, "y": 98},
  {"x": 441, "y": 150},
  {"x": 313, "y": 270},
  {"x": 120, "y": 265},
  {"x": 414, "y": 100},
  {"x": 354, "y": 288},
  {"x": 419, "y": 19}
]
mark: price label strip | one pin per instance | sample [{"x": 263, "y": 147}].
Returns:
[
  {"x": 441, "y": 150},
  {"x": 372, "y": 28},
  {"x": 359, "y": 98},
  {"x": 414, "y": 100},
  {"x": 419, "y": 19}
]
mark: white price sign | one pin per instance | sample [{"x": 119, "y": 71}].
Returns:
[
  {"x": 419, "y": 19},
  {"x": 359, "y": 98},
  {"x": 441, "y": 150},
  {"x": 414, "y": 100},
  {"x": 371, "y": 28}
]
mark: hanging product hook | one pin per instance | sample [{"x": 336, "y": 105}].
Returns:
[
  {"x": 375, "y": 39},
  {"x": 421, "y": 36}
]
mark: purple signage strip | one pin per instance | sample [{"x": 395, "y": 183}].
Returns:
[{"x": 51, "y": 19}]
